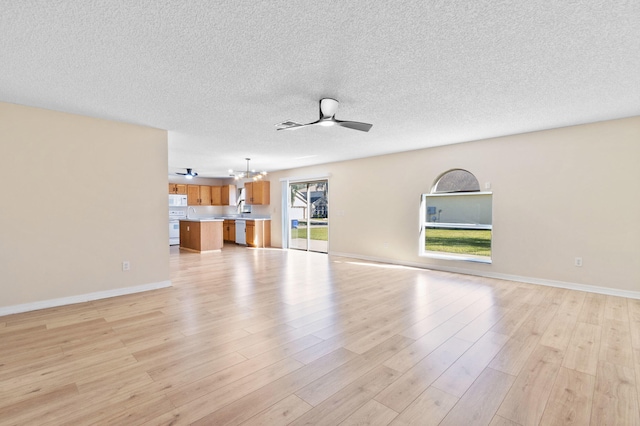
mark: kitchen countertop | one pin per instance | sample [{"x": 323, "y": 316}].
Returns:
[{"x": 215, "y": 219}]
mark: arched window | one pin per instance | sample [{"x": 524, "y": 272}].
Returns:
[
  {"x": 457, "y": 218},
  {"x": 456, "y": 180}
]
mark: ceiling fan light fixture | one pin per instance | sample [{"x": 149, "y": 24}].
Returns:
[
  {"x": 328, "y": 108},
  {"x": 189, "y": 175}
]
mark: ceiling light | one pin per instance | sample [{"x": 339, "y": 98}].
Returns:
[{"x": 248, "y": 174}]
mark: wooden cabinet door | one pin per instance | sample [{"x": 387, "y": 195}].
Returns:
[
  {"x": 232, "y": 231},
  {"x": 225, "y": 230},
  {"x": 205, "y": 195},
  {"x": 216, "y": 196},
  {"x": 190, "y": 235},
  {"x": 257, "y": 193},
  {"x": 248, "y": 192},
  {"x": 193, "y": 195},
  {"x": 259, "y": 233},
  {"x": 261, "y": 192},
  {"x": 250, "y": 230},
  {"x": 228, "y": 196},
  {"x": 177, "y": 188},
  {"x": 229, "y": 230},
  {"x": 184, "y": 235}
]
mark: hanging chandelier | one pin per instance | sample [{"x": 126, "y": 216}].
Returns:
[{"x": 248, "y": 174}]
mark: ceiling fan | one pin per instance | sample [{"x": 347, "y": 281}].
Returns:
[
  {"x": 328, "y": 107},
  {"x": 189, "y": 175}
]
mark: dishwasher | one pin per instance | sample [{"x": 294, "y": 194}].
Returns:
[{"x": 241, "y": 232}]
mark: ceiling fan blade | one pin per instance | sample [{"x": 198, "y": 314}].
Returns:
[
  {"x": 328, "y": 108},
  {"x": 190, "y": 172},
  {"x": 356, "y": 125},
  {"x": 290, "y": 125}
]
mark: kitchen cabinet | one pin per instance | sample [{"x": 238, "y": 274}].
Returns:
[
  {"x": 216, "y": 195},
  {"x": 198, "y": 195},
  {"x": 177, "y": 188},
  {"x": 258, "y": 233},
  {"x": 229, "y": 195},
  {"x": 205, "y": 195},
  {"x": 193, "y": 195},
  {"x": 229, "y": 230},
  {"x": 257, "y": 193},
  {"x": 201, "y": 236}
]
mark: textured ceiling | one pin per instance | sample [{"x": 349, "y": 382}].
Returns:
[{"x": 218, "y": 75}]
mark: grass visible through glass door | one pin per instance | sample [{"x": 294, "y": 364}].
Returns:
[{"x": 319, "y": 230}]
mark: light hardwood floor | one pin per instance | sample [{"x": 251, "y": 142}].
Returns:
[{"x": 272, "y": 337}]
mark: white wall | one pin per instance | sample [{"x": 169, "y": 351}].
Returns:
[
  {"x": 557, "y": 195},
  {"x": 81, "y": 196}
]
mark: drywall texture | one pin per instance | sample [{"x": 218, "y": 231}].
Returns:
[
  {"x": 557, "y": 194},
  {"x": 81, "y": 195}
]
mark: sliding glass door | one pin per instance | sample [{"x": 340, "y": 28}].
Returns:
[{"x": 309, "y": 216}]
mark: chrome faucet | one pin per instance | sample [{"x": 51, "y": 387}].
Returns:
[{"x": 189, "y": 209}]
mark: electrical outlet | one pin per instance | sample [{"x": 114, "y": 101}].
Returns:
[
  {"x": 385, "y": 244},
  {"x": 578, "y": 261},
  {"x": 126, "y": 265}
]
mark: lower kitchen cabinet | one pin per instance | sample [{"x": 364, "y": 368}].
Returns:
[
  {"x": 229, "y": 230},
  {"x": 259, "y": 233}
]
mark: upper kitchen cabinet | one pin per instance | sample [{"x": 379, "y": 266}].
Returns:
[
  {"x": 216, "y": 196},
  {"x": 198, "y": 195},
  {"x": 177, "y": 188},
  {"x": 229, "y": 195},
  {"x": 205, "y": 195},
  {"x": 257, "y": 192}
]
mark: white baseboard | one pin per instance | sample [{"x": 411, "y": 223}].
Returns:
[
  {"x": 34, "y": 306},
  {"x": 529, "y": 280}
]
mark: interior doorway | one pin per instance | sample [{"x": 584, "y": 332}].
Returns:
[{"x": 308, "y": 213}]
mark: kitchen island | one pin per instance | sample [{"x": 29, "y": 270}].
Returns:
[{"x": 201, "y": 234}]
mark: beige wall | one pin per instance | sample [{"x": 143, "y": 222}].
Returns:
[
  {"x": 557, "y": 195},
  {"x": 80, "y": 195}
]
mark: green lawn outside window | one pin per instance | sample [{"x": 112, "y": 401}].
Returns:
[{"x": 476, "y": 242}]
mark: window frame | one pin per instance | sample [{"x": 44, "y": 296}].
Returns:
[{"x": 424, "y": 224}]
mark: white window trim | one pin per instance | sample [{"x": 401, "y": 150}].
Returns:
[
  {"x": 464, "y": 257},
  {"x": 449, "y": 256}
]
